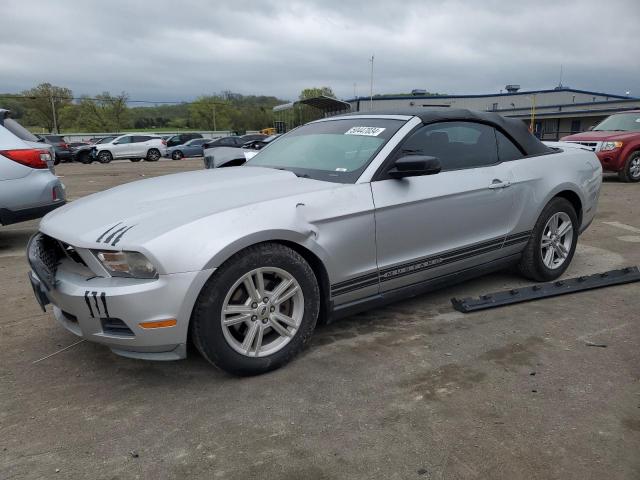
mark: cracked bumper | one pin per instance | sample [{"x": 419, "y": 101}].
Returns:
[{"x": 109, "y": 311}]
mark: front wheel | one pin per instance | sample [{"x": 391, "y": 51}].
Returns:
[
  {"x": 257, "y": 311},
  {"x": 552, "y": 243},
  {"x": 105, "y": 157},
  {"x": 177, "y": 155},
  {"x": 153, "y": 155},
  {"x": 631, "y": 170}
]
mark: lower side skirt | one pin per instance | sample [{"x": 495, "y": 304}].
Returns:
[{"x": 384, "y": 298}]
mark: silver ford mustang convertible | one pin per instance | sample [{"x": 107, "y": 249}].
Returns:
[{"x": 336, "y": 216}]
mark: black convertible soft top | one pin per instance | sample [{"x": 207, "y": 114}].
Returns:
[{"x": 514, "y": 128}]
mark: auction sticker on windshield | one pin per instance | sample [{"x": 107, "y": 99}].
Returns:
[{"x": 366, "y": 131}]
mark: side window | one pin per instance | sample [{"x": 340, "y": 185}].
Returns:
[
  {"x": 124, "y": 140},
  {"x": 139, "y": 139},
  {"x": 227, "y": 142},
  {"x": 507, "y": 150},
  {"x": 456, "y": 144}
]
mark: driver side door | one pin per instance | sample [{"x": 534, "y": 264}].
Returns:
[{"x": 433, "y": 225}]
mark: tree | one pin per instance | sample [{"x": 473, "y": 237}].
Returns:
[
  {"x": 210, "y": 112},
  {"x": 44, "y": 104},
  {"x": 316, "y": 92},
  {"x": 105, "y": 112}
]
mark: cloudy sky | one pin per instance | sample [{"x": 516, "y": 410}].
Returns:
[{"x": 177, "y": 50}]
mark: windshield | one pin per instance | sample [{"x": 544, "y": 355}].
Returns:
[
  {"x": 622, "y": 122},
  {"x": 334, "y": 150}
]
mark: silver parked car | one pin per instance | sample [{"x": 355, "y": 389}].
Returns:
[
  {"x": 336, "y": 216},
  {"x": 28, "y": 187},
  {"x": 133, "y": 147},
  {"x": 192, "y": 148}
]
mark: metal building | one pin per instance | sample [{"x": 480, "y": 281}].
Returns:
[{"x": 555, "y": 113}]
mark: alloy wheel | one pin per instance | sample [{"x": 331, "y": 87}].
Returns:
[
  {"x": 634, "y": 168},
  {"x": 262, "y": 312},
  {"x": 557, "y": 240}
]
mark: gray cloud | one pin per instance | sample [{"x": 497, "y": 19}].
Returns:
[{"x": 170, "y": 50}]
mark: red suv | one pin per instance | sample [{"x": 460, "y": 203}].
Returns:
[{"x": 616, "y": 141}]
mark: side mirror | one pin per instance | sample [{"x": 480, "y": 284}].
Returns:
[{"x": 415, "y": 166}]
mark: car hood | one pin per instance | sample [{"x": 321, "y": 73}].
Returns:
[
  {"x": 134, "y": 213},
  {"x": 598, "y": 136}
]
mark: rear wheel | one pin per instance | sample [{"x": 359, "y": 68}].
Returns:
[
  {"x": 153, "y": 155},
  {"x": 257, "y": 311},
  {"x": 105, "y": 156},
  {"x": 177, "y": 155},
  {"x": 631, "y": 170},
  {"x": 552, "y": 243}
]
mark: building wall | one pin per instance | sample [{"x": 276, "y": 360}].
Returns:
[{"x": 558, "y": 112}]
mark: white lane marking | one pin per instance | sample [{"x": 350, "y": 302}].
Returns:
[{"x": 623, "y": 226}]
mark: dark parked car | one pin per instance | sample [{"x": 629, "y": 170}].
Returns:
[
  {"x": 181, "y": 138},
  {"x": 260, "y": 142},
  {"x": 232, "y": 141},
  {"x": 82, "y": 153},
  {"x": 60, "y": 145}
]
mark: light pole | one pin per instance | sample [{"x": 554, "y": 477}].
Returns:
[
  {"x": 371, "y": 86},
  {"x": 53, "y": 114}
]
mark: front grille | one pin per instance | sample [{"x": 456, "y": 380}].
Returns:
[
  {"x": 44, "y": 254},
  {"x": 593, "y": 146}
]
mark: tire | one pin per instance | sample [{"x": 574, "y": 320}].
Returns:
[
  {"x": 84, "y": 157},
  {"x": 105, "y": 156},
  {"x": 177, "y": 155},
  {"x": 223, "y": 345},
  {"x": 533, "y": 264},
  {"x": 135, "y": 159},
  {"x": 631, "y": 171},
  {"x": 153, "y": 155},
  {"x": 56, "y": 159}
]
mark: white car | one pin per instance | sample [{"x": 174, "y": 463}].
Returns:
[{"x": 134, "y": 147}]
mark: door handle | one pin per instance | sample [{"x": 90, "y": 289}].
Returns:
[{"x": 496, "y": 184}]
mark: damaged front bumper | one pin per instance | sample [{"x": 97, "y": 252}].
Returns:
[{"x": 113, "y": 311}]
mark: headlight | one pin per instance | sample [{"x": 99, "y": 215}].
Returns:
[
  {"x": 127, "y": 264},
  {"x": 606, "y": 146}
]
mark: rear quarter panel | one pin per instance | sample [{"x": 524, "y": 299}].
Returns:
[{"x": 539, "y": 179}]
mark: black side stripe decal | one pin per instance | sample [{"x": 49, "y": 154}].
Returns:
[
  {"x": 353, "y": 281},
  {"x": 426, "y": 263}
]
